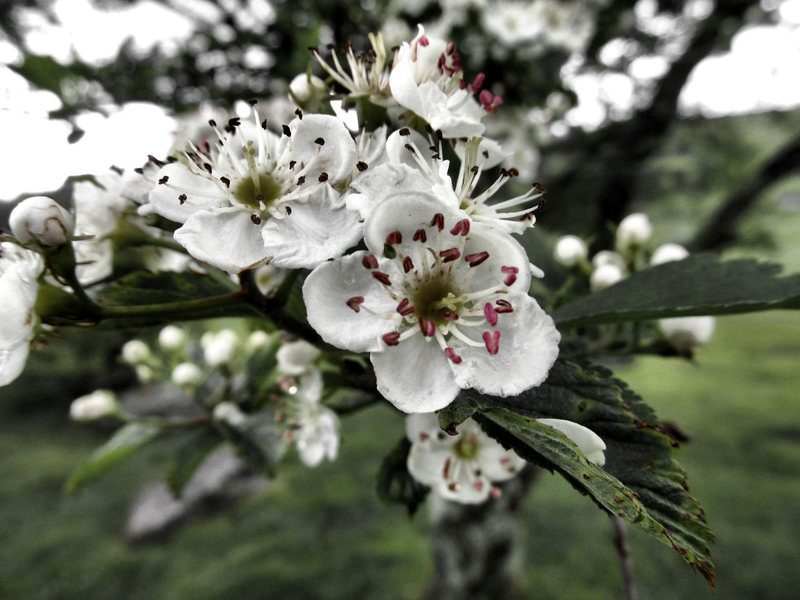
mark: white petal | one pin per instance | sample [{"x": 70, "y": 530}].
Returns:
[
  {"x": 12, "y": 361},
  {"x": 313, "y": 233},
  {"x": 336, "y": 157},
  {"x": 385, "y": 180},
  {"x": 457, "y": 115},
  {"x": 201, "y": 193},
  {"x": 295, "y": 358},
  {"x": 591, "y": 444},
  {"x": 504, "y": 251},
  {"x": 528, "y": 348},
  {"x": 414, "y": 375},
  {"x": 225, "y": 238},
  {"x": 426, "y": 464},
  {"x": 326, "y": 292},
  {"x": 424, "y": 425}
]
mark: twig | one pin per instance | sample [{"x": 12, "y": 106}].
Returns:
[{"x": 621, "y": 545}]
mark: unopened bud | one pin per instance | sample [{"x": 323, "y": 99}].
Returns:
[
  {"x": 98, "y": 404},
  {"x": 187, "y": 374},
  {"x": 686, "y": 334},
  {"x": 171, "y": 337},
  {"x": 634, "y": 231},
  {"x": 42, "y": 219},
  {"x": 219, "y": 347},
  {"x": 604, "y": 276},
  {"x": 570, "y": 250},
  {"x": 668, "y": 253},
  {"x": 230, "y": 413},
  {"x": 135, "y": 351},
  {"x": 608, "y": 257},
  {"x": 306, "y": 88}
]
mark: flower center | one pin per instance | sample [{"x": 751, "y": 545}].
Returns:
[
  {"x": 466, "y": 448},
  {"x": 257, "y": 191},
  {"x": 434, "y": 300}
]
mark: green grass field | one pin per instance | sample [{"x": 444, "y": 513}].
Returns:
[{"x": 322, "y": 534}]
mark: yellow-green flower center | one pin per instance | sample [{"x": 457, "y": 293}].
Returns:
[
  {"x": 257, "y": 192},
  {"x": 434, "y": 300},
  {"x": 466, "y": 448}
]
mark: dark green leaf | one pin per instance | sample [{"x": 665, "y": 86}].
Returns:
[
  {"x": 189, "y": 457},
  {"x": 395, "y": 483},
  {"x": 698, "y": 285},
  {"x": 458, "y": 411},
  {"x": 122, "y": 444},
  {"x": 143, "y": 287},
  {"x": 639, "y": 467}
]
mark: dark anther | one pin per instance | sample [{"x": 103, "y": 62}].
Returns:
[
  {"x": 163, "y": 180},
  {"x": 226, "y": 181},
  {"x": 361, "y": 165},
  {"x": 207, "y": 167},
  {"x": 323, "y": 177},
  {"x": 255, "y": 219},
  {"x": 319, "y": 141},
  {"x": 182, "y": 198},
  {"x": 286, "y": 131}
]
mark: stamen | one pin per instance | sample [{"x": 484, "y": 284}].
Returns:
[
  {"x": 370, "y": 262},
  {"x": 361, "y": 166},
  {"x": 512, "y": 274},
  {"x": 408, "y": 265},
  {"x": 490, "y": 313},
  {"x": 394, "y": 238},
  {"x": 451, "y": 354},
  {"x": 382, "y": 277},
  {"x": 182, "y": 198},
  {"x": 427, "y": 327},
  {"x": 392, "y": 338},
  {"x": 475, "y": 259},
  {"x": 323, "y": 177},
  {"x": 355, "y": 302},
  {"x": 461, "y": 227},
  {"x": 255, "y": 219},
  {"x": 163, "y": 180},
  {"x": 405, "y": 307},
  {"x": 446, "y": 470},
  {"x": 450, "y": 254},
  {"x": 420, "y": 236},
  {"x": 438, "y": 220},
  {"x": 319, "y": 141},
  {"x": 286, "y": 131},
  {"x": 504, "y": 306},
  {"x": 492, "y": 341}
]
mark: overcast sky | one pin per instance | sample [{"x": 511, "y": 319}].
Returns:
[{"x": 761, "y": 72}]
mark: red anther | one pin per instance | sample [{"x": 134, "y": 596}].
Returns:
[
  {"x": 450, "y": 254},
  {"x": 446, "y": 470},
  {"x": 427, "y": 327},
  {"x": 408, "y": 265},
  {"x": 404, "y": 131},
  {"x": 405, "y": 307},
  {"x": 423, "y": 41},
  {"x": 438, "y": 220},
  {"x": 461, "y": 227},
  {"x": 512, "y": 274},
  {"x": 496, "y": 493},
  {"x": 394, "y": 238},
  {"x": 451, "y": 354},
  {"x": 323, "y": 177},
  {"x": 475, "y": 259},
  {"x": 490, "y": 313},
  {"x": 392, "y": 338},
  {"x": 362, "y": 166},
  {"x": 450, "y": 47},
  {"x": 423, "y": 436},
  {"x": 382, "y": 277},
  {"x": 504, "y": 460},
  {"x": 255, "y": 219},
  {"x": 486, "y": 98},
  {"x": 503, "y": 306},
  {"x": 420, "y": 236},
  {"x": 492, "y": 341},
  {"x": 477, "y": 83},
  {"x": 478, "y": 485},
  {"x": 448, "y": 314},
  {"x": 370, "y": 262},
  {"x": 355, "y": 303}
]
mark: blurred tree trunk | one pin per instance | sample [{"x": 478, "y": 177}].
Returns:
[{"x": 474, "y": 545}]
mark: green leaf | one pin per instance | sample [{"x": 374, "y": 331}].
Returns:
[
  {"x": 144, "y": 287},
  {"x": 456, "y": 413},
  {"x": 257, "y": 439},
  {"x": 122, "y": 444},
  {"x": 698, "y": 285},
  {"x": 395, "y": 484},
  {"x": 189, "y": 457},
  {"x": 640, "y": 479}
]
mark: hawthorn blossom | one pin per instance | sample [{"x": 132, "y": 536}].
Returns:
[
  {"x": 42, "y": 219},
  {"x": 427, "y": 78},
  {"x": 461, "y": 467},
  {"x": 19, "y": 271},
  {"x": 98, "y": 404},
  {"x": 255, "y": 196},
  {"x": 443, "y": 307}
]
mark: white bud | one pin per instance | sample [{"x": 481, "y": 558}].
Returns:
[
  {"x": 135, "y": 351},
  {"x": 100, "y": 403},
  {"x": 220, "y": 347},
  {"x": 570, "y": 250},
  {"x": 304, "y": 88},
  {"x": 668, "y": 253},
  {"x": 608, "y": 257},
  {"x": 42, "y": 219},
  {"x": 187, "y": 374},
  {"x": 634, "y": 231},
  {"x": 604, "y": 276},
  {"x": 257, "y": 339},
  {"x": 144, "y": 373},
  {"x": 171, "y": 337},
  {"x": 229, "y": 413},
  {"x": 295, "y": 358},
  {"x": 687, "y": 333}
]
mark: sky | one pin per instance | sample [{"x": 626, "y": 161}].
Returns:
[{"x": 759, "y": 73}]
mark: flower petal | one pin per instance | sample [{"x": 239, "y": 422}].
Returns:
[
  {"x": 201, "y": 193},
  {"x": 591, "y": 444},
  {"x": 336, "y": 155},
  {"x": 528, "y": 347},
  {"x": 314, "y": 232},
  {"x": 12, "y": 361},
  {"x": 224, "y": 237},
  {"x": 414, "y": 375},
  {"x": 326, "y": 292}
]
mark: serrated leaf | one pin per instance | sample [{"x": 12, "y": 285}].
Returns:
[
  {"x": 122, "y": 444},
  {"x": 701, "y": 284},
  {"x": 456, "y": 413},
  {"x": 144, "y": 287},
  {"x": 638, "y": 453},
  {"x": 189, "y": 457},
  {"x": 395, "y": 484}
]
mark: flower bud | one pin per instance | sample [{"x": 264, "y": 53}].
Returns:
[
  {"x": 608, "y": 257},
  {"x": 634, "y": 231},
  {"x": 604, "y": 276},
  {"x": 187, "y": 374},
  {"x": 98, "y": 404},
  {"x": 687, "y": 333},
  {"x": 42, "y": 219},
  {"x": 308, "y": 90},
  {"x": 295, "y": 358},
  {"x": 219, "y": 347},
  {"x": 570, "y": 250},
  {"x": 171, "y": 337},
  {"x": 230, "y": 413},
  {"x": 668, "y": 253},
  {"x": 135, "y": 351}
]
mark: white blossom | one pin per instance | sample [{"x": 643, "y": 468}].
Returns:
[
  {"x": 461, "y": 467},
  {"x": 312, "y": 427},
  {"x": 135, "y": 352},
  {"x": 219, "y": 347},
  {"x": 98, "y": 404},
  {"x": 296, "y": 358},
  {"x": 687, "y": 333},
  {"x": 571, "y": 250},
  {"x": 42, "y": 219},
  {"x": 19, "y": 272},
  {"x": 608, "y": 257},
  {"x": 254, "y": 196},
  {"x": 448, "y": 310},
  {"x": 172, "y": 337},
  {"x": 230, "y": 413}
]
